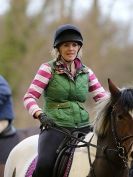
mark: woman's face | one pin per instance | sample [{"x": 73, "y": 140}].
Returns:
[{"x": 69, "y": 50}]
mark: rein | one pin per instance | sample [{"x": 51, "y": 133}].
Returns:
[
  {"x": 85, "y": 143},
  {"x": 68, "y": 134}
]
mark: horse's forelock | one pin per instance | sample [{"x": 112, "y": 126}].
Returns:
[{"x": 126, "y": 99}]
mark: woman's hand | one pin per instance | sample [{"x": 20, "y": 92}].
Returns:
[{"x": 45, "y": 121}]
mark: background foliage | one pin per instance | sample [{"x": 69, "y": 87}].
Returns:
[{"x": 26, "y": 42}]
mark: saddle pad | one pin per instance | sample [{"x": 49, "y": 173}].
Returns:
[
  {"x": 31, "y": 168},
  {"x": 69, "y": 164}
]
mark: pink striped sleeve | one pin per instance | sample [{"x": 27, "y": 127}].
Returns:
[
  {"x": 36, "y": 88},
  {"x": 95, "y": 88}
]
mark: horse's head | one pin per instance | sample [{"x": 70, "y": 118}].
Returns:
[
  {"x": 122, "y": 118},
  {"x": 116, "y": 120}
]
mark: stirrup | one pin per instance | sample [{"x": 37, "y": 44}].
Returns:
[{"x": 10, "y": 130}]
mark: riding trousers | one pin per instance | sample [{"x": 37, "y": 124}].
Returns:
[{"x": 49, "y": 141}]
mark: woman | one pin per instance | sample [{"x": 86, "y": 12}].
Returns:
[{"x": 65, "y": 83}]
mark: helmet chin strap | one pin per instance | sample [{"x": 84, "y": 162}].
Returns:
[{"x": 69, "y": 62}]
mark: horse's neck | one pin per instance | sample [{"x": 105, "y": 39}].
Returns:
[
  {"x": 108, "y": 160},
  {"x": 104, "y": 168}
]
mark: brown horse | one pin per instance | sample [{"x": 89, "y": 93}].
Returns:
[
  {"x": 114, "y": 128},
  {"x": 8, "y": 142}
]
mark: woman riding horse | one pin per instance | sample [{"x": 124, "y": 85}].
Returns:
[
  {"x": 106, "y": 152},
  {"x": 65, "y": 82}
]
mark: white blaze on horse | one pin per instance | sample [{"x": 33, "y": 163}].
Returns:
[{"x": 106, "y": 152}]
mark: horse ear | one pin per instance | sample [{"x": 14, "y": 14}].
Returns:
[{"x": 115, "y": 92}]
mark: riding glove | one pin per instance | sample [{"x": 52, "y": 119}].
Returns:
[{"x": 45, "y": 121}]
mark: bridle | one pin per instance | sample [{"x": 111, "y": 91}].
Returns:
[{"x": 121, "y": 150}]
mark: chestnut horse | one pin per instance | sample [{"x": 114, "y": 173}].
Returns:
[{"x": 105, "y": 152}]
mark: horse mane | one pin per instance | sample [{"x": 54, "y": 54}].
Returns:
[
  {"x": 104, "y": 108},
  {"x": 101, "y": 122}
]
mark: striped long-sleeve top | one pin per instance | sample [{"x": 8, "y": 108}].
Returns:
[{"x": 42, "y": 78}]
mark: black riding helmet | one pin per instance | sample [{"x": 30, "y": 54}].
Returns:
[{"x": 66, "y": 33}]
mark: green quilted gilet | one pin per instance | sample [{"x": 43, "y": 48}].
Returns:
[{"x": 64, "y": 99}]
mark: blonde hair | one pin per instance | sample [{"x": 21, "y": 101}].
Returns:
[{"x": 55, "y": 53}]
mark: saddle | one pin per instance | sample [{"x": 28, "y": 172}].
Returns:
[
  {"x": 8, "y": 131},
  {"x": 65, "y": 154}
]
